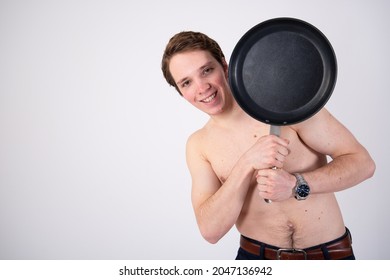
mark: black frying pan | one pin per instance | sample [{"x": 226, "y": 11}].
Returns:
[{"x": 282, "y": 71}]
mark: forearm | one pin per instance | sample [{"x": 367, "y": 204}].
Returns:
[
  {"x": 341, "y": 173},
  {"x": 218, "y": 214}
]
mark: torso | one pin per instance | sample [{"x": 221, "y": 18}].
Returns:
[{"x": 288, "y": 224}]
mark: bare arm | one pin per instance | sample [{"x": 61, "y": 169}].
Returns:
[
  {"x": 217, "y": 206},
  {"x": 351, "y": 163}
]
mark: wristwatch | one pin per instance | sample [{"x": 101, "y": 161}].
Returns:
[{"x": 301, "y": 190}]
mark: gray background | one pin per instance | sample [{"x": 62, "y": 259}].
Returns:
[{"x": 92, "y": 138}]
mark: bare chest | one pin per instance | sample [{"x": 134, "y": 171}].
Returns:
[{"x": 224, "y": 151}]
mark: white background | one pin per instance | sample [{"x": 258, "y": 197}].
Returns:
[{"x": 92, "y": 138}]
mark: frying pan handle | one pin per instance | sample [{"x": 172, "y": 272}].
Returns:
[{"x": 274, "y": 130}]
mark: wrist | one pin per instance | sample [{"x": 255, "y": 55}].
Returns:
[
  {"x": 301, "y": 190},
  {"x": 244, "y": 167}
]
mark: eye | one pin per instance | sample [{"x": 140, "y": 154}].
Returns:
[
  {"x": 186, "y": 83},
  {"x": 207, "y": 70}
]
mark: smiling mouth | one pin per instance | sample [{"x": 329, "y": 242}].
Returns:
[{"x": 210, "y": 98}]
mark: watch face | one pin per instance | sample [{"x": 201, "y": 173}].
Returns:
[{"x": 303, "y": 191}]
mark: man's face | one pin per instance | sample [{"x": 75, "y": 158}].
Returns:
[{"x": 201, "y": 80}]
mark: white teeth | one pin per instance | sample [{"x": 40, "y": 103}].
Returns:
[{"x": 210, "y": 98}]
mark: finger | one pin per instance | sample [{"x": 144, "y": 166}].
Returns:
[
  {"x": 280, "y": 157},
  {"x": 264, "y": 195},
  {"x": 283, "y": 151},
  {"x": 277, "y": 163},
  {"x": 265, "y": 184},
  {"x": 266, "y": 173},
  {"x": 262, "y": 173},
  {"x": 262, "y": 190},
  {"x": 261, "y": 181},
  {"x": 282, "y": 141}
]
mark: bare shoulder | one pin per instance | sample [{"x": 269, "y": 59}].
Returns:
[
  {"x": 194, "y": 141},
  {"x": 195, "y": 147},
  {"x": 197, "y": 139}
]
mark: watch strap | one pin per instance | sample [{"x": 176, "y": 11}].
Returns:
[{"x": 300, "y": 182}]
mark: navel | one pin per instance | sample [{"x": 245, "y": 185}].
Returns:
[{"x": 290, "y": 226}]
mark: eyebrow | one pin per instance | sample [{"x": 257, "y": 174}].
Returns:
[{"x": 208, "y": 63}]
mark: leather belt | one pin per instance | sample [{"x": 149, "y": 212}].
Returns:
[{"x": 339, "y": 249}]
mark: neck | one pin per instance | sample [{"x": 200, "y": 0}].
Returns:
[{"x": 230, "y": 116}]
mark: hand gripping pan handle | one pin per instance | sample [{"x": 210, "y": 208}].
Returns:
[{"x": 274, "y": 130}]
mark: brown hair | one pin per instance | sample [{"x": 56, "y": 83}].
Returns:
[{"x": 188, "y": 41}]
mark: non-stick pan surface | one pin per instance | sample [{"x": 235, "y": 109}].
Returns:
[{"x": 282, "y": 71}]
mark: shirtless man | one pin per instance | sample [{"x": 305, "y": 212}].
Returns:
[{"x": 231, "y": 158}]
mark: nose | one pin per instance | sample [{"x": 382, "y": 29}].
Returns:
[{"x": 203, "y": 87}]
